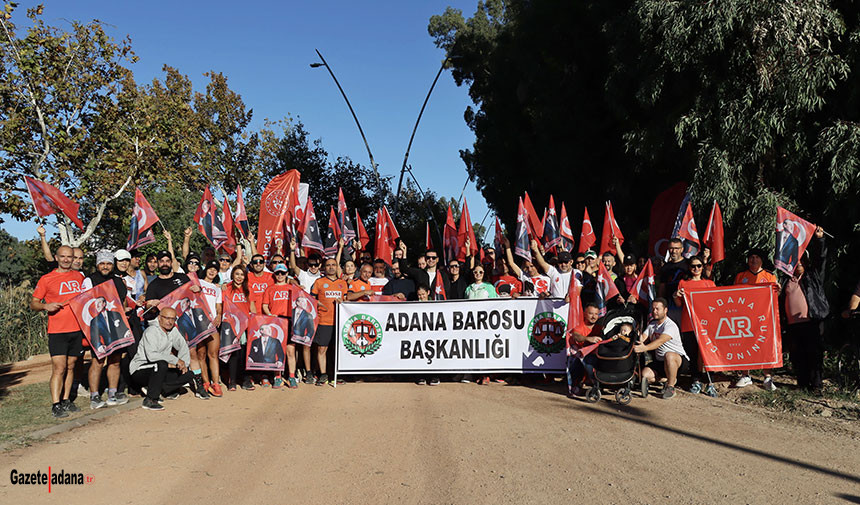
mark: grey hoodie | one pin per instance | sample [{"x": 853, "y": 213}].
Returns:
[{"x": 156, "y": 345}]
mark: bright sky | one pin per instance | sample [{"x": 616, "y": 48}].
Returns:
[{"x": 380, "y": 52}]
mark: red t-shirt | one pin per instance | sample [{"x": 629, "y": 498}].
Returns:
[
  {"x": 594, "y": 331},
  {"x": 57, "y": 287},
  {"x": 327, "y": 291},
  {"x": 278, "y": 297},
  {"x": 686, "y": 324},
  {"x": 257, "y": 286},
  {"x": 230, "y": 292}
]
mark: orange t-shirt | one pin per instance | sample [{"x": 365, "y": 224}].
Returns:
[
  {"x": 278, "y": 298},
  {"x": 686, "y": 324},
  {"x": 57, "y": 287},
  {"x": 359, "y": 286},
  {"x": 229, "y": 292},
  {"x": 327, "y": 291},
  {"x": 747, "y": 277},
  {"x": 257, "y": 286},
  {"x": 582, "y": 329}
]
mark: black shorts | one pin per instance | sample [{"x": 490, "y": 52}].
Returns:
[
  {"x": 659, "y": 367},
  {"x": 324, "y": 335},
  {"x": 66, "y": 344}
]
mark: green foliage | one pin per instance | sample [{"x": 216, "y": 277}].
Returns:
[{"x": 23, "y": 333}]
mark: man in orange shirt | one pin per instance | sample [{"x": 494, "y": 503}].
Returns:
[
  {"x": 327, "y": 290},
  {"x": 589, "y": 332},
  {"x": 756, "y": 274},
  {"x": 64, "y": 335},
  {"x": 361, "y": 288},
  {"x": 258, "y": 281}
]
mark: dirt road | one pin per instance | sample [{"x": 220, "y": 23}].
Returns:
[{"x": 454, "y": 443}]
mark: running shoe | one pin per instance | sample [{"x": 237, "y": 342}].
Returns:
[
  {"x": 483, "y": 381},
  {"x": 696, "y": 387},
  {"x": 207, "y": 386},
  {"x": 668, "y": 392},
  {"x": 308, "y": 377},
  {"x": 118, "y": 399},
  {"x": 293, "y": 384},
  {"x": 434, "y": 381},
  {"x": 69, "y": 406},
  {"x": 151, "y": 405},
  {"x": 422, "y": 381},
  {"x": 96, "y": 402},
  {"x": 172, "y": 396},
  {"x": 265, "y": 382},
  {"x": 279, "y": 383},
  {"x": 248, "y": 384},
  {"x": 323, "y": 379},
  {"x": 768, "y": 384},
  {"x": 711, "y": 391},
  {"x": 58, "y": 411},
  {"x": 743, "y": 382},
  {"x": 199, "y": 390},
  {"x": 215, "y": 390},
  {"x": 231, "y": 387}
]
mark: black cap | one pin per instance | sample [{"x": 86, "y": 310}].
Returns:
[
  {"x": 630, "y": 259},
  {"x": 757, "y": 251},
  {"x": 564, "y": 257},
  {"x": 163, "y": 254},
  {"x": 212, "y": 264}
]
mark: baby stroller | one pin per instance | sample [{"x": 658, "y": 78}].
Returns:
[{"x": 617, "y": 366}]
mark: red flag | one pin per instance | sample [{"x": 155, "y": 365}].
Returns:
[
  {"x": 241, "y": 216},
  {"x": 194, "y": 319},
  {"x": 49, "y": 200},
  {"x": 311, "y": 238},
  {"x": 534, "y": 223},
  {"x": 792, "y": 236},
  {"x": 439, "y": 287},
  {"x": 662, "y": 221},
  {"x": 332, "y": 235},
  {"x": 279, "y": 207},
  {"x": 428, "y": 241},
  {"x": 643, "y": 287},
  {"x": 344, "y": 222},
  {"x": 142, "y": 220},
  {"x": 229, "y": 227},
  {"x": 687, "y": 231},
  {"x": 737, "y": 327},
  {"x": 449, "y": 236},
  {"x": 574, "y": 312},
  {"x": 610, "y": 229},
  {"x": 499, "y": 235},
  {"x": 363, "y": 237},
  {"x": 234, "y": 322},
  {"x": 386, "y": 235},
  {"x": 268, "y": 337},
  {"x": 208, "y": 222},
  {"x": 587, "y": 238},
  {"x": 101, "y": 318},
  {"x": 305, "y": 317},
  {"x": 565, "y": 231},
  {"x": 713, "y": 238},
  {"x": 465, "y": 231},
  {"x": 522, "y": 247},
  {"x": 606, "y": 289}
]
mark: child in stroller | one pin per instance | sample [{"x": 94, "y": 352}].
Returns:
[{"x": 617, "y": 365}]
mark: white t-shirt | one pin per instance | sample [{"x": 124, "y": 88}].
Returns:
[
  {"x": 559, "y": 282},
  {"x": 307, "y": 279},
  {"x": 212, "y": 293},
  {"x": 655, "y": 329},
  {"x": 377, "y": 283},
  {"x": 541, "y": 283},
  {"x": 224, "y": 277}
]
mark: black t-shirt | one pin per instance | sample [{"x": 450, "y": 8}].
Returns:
[
  {"x": 670, "y": 275},
  {"x": 159, "y": 288},
  {"x": 404, "y": 286}
]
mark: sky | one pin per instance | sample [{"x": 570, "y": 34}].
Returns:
[{"x": 380, "y": 52}]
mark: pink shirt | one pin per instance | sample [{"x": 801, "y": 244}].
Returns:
[{"x": 796, "y": 308}]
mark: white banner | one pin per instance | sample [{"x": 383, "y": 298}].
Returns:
[{"x": 456, "y": 336}]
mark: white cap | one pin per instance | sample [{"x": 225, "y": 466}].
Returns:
[{"x": 122, "y": 254}]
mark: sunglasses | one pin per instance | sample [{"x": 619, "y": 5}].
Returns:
[
  {"x": 432, "y": 257},
  {"x": 696, "y": 266},
  {"x": 195, "y": 263},
  {"x": 579, "y": 262},
  {"x": 453, "y": 266},
  {"x": 313, "y": 264},
  {"x": 278, "y": 262},
  {"x": 257, "y": 262},
  {"x": 280, "y": 273}
]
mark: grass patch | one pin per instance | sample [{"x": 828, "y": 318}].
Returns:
[
  {"x": 832, "y": 403},
  {"x": 25, "y": 409}
]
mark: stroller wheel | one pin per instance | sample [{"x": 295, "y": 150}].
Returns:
[
  {"x": 643, "y": 387},
  {"x": 593, "y": 395},
  {"x": 623, "y": 396}
]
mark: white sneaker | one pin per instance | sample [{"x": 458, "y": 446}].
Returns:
[
  {"x": 743, "y": 382},
  {"x": 768, "y": 384}
]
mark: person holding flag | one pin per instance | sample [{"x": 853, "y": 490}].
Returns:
[
  {"x": 209, "y": 349},
  {"x": 560, "y": 277},
  {"x": 756, "y": 274},
  {"x": 533, "y": 283},
  {"x": 693, "y": 279},
  {"x": 581, "y": 368},
  {"x": 277, "y": 301},
  {"x": 238, "y": 293}
]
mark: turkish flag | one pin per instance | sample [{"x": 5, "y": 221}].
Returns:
[
  {"x": 565, "y": 232},
  {"x": 713, "y": 238},
  {"x": 662, "y": 221},
  {"x": 439, "y": 287},
  {"x": 306, "y": 318},
  {"x": 234, "y": 322},
  {"x": 534, "y": 222},
  {"x": 688, "y": 233},
  {"x": 497, "y": 242},
  {"x": 49, "y": 200},
  {"x": 522, "y": 246},
  {"x": 644, "y": 288},
  {"x": 280, "y": 207},
  {"x": 574, "y": 312},
  {"x": 311, "y": 238},
  {"x": 551, "y": 237},
  {"x": 606, "y": 289},
  {"x": 102, "y": 320},
  {"x": 267, "y": 343},
  {"x": 463, "y": 232},
  {"x": 737, "y": 327},
  {"x": 449, "y": 236},
  {"x": 363, "y": 237},
  {"x": 610, "y": 229},
  {"x": 143, "y": 217},
  {"x": 332, "y": 235},
  {"x": 229, "y": 227},
  {"x": 208, "y": 222},
  {"x": 194, "y": 320},
  {"x": 386, "y": 236},
  {"x": 346, "y": 228},
  {"x": 792, "y": 236},
  {"x": 241, "y": 215},
  {"x": 587, "y": 238}
]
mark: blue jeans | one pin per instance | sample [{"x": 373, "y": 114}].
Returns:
[{"x": 578, "y": 369}]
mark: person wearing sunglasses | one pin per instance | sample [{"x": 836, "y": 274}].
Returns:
[
  {"x": 693, "y": 279},
  {"x": 226, "y": 264},
  {"x": 277, "y": 301},
  {"x": 306, "y": 277},
  {"x": 429, "y": 274}
]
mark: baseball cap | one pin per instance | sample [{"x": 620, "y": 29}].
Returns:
[
  {"x": 104, "y": 256},
  {"x": 630, "y": 259},
  {"x": 564, "y": 257},
  {"x": 280, "y": 267},
  {"x": 758, "y": 251},
  {"x": 590, "y": 254},
  {"x": 212, "y": 264},
  {"x": 122, "y": 254},
  {"x": 164, "y": 254}
]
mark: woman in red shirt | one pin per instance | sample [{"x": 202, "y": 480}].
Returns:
[
  {"x": 237, "y": 292},
  {"x": 694, "y": 279}
]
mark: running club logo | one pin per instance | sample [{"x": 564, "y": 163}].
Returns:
[
  {"x": 362, "y": 335},
  {"x": 546, "y": 332}
]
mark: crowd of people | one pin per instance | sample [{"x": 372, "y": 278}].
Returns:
[{"x": 160, "y": 362}]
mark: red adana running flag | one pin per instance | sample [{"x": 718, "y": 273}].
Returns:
[
  {"x": 102, "y": 319},
  {"x": 229, "y": 227},
  {"x": 643, "y": 288},
  {"x": 49, "y": 200},
  {"x": 332, "y": 235},
  {"x": 463, "y": 232},
  {"x": 311, "y": 238},
  {"x": 605, "y": 288},
  {"x": 737, "y": 327},
  {"x": 551, "y": 237},
  {"x": 792, "y": 236},
  {"x": 534, "y": 222},
  {"x": 241, "y": 215},
  {"x": 521, "y": 244},
  {"x": 386, "y": 235},
  {"x": 587, "y": 238},
  {"x": 279, "y": 207},
  {"x": 234, "y": 322},
  {"x": 142, "y": 220},
  {"x": 363, "y": 237},
  {"x": 428, "y": 241},
  {"x": 713, "y": 238},
  {"x": 208, "y": 222},
  {"x": 565, "y": 232},
  {"x": 688, "y": 233},
  {"x": 610, "y": 229},
  {"x": 449, "y": 236}
]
